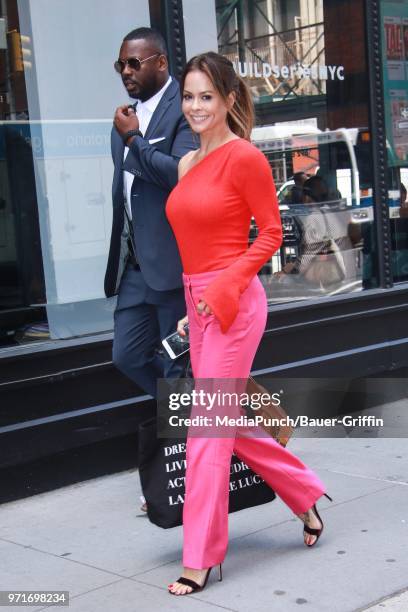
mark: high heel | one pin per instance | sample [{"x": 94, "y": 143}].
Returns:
[
  {"x": 315, "y": 532},
  {"x": 194, "y": 585}
]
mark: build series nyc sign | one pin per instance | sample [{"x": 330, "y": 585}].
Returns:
[{"x": 319, "y": 72}]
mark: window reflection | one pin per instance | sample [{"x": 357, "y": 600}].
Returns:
[
  {"x": 395, "y": 79},
  {"x": 305, "y": 64},
  {"x": 22, "y": 287},
  {"x": 55, "y": 165},
  {"x": 327, "y": 214}
]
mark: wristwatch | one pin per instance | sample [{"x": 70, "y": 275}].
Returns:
[{"x": 130, "y": 133}]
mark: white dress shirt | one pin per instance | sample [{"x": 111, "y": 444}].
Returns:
[{"x": 144, "y": 112}]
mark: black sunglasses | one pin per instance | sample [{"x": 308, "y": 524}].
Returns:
[{"x": 135, "y": 63}]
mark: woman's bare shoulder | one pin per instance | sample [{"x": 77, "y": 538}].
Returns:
[{"x": 185, "y": 162}]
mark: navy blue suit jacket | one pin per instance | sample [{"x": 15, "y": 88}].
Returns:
[{"x": 154, "y": 167}]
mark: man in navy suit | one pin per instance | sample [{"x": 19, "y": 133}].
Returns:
[{"x": 144, "y": 267}]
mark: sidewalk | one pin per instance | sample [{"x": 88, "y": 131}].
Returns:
[{"x": 91, "y": 540}]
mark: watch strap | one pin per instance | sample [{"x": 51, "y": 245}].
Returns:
[{"x": 130, "y": 133}]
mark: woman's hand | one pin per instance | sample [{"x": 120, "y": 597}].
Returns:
[
  {"x": 181, "y": 325},
  {"x": 203, "y": 308}
]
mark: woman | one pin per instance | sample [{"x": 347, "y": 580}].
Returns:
[{"x": 221, "y": 186}]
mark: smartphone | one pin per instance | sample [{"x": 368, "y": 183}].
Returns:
[{"x": 177, "y": 345}]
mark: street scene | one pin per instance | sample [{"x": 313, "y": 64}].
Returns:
[{"x": 203, "y": 305}]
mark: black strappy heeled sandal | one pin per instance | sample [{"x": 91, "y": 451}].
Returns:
[
  {"x": 315, "y": 532},
  {"x": 194, "y": 585}
]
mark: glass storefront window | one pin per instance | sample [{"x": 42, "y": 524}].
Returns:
[
  {"x": 58, "y": 93},
  {"x": 395, "y": 78},
  {"x": 322, "y": 213},
  {"x": 305, "y": 63}
]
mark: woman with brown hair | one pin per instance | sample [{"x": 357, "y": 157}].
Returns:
[{"x": 221, "y": 186}]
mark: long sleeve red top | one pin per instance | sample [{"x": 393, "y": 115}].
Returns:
[{"x": 210, "y": 211}]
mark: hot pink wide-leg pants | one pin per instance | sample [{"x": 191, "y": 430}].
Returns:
[{"x": 216, "y": 355}]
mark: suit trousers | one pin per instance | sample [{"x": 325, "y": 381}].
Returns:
[
  {"x": 215, "y": 355},
  {"x": 142, "y": 318}
]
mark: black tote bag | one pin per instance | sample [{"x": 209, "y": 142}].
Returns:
[{"x": 162, "y": 467}]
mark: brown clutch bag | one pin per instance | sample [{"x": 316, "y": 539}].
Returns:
[{"x": 270, "y": 411}]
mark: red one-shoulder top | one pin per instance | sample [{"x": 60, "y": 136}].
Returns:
[{"x": 210, "y": 211}]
